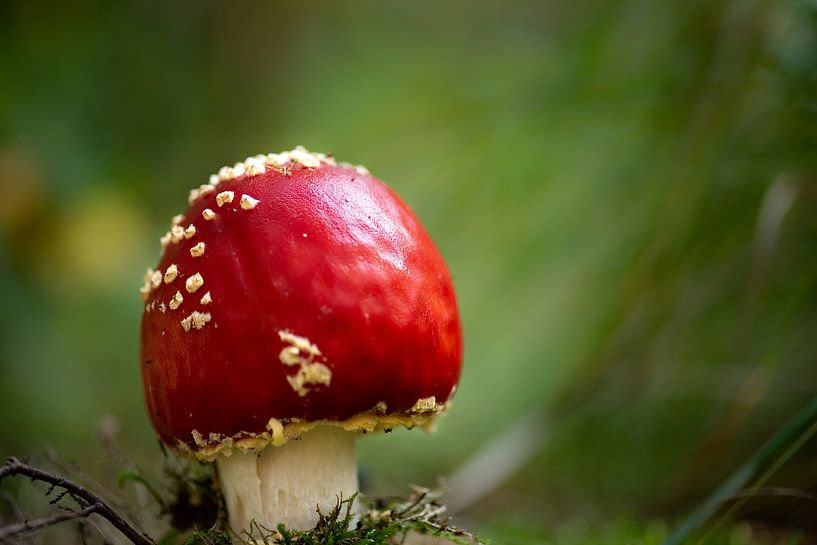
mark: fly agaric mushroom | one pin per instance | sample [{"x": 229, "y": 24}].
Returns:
[{"x": 298, "y": 303}]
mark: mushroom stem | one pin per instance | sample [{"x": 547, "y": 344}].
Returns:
[{"x": 286, "y": 484}]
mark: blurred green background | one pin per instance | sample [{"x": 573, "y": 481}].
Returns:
[{"x": 624, "y": 191}]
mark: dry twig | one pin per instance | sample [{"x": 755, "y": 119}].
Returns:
[{"x": 90, "y": 503}]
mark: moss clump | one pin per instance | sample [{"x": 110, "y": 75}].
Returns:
[{"x": 378, "y": 522}]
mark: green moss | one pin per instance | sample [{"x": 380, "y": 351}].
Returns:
[
  {"x": 377, "y": 522},
  {"x": 194, "y": 508}
]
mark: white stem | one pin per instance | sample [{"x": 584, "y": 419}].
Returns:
[{"x": 286, "y": 484}]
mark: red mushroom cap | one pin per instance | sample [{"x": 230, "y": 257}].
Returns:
[{"x": 295, "y": 291}]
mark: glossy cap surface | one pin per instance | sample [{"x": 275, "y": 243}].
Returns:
[{"x": 294, "y": 290}]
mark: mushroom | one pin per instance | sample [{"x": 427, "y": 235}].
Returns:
[{"x": 320, "y": 311}]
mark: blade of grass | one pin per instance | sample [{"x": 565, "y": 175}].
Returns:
[{"x": 765, "y": 462}]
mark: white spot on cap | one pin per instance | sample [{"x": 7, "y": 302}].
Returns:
[
  {"x": 301, "y": 343},
  {"x": 171, "y": 273},
  {"x": 302, "y": 352},
  {"x": 177, "y": 219},
  {"x": 324, "y": 158},
  {"x": 194, "y": 282},
  {"x": 254, "y": 166},
  {"x": 148, "y": 275},
  {"x": 144, "y": 291},
  {"x": 165, "y": 240},
  {"x": 238, "y": 170},
  {"x": 214, "y": 179},
  {"x": 248, "y": 203},
  {"x": 309, "y": 374},
  {"x": 224, "y": 197},
  {"x": 424, "y": 405},
  {"x": 176, "y": 302},
  {"x": 290, "y": 356},
  {"x": 206, "y": 299},
  {"x": 190, "y": 232},
  {"x": 176, "y": 233},
  {"x": 225, "y": 173},
  {"x": 196, "y": 320},
  {"x": 208, "y": 214},
  {"x": 197, "y": 250},
  {"x": 278, "y": 159},
  {"x": 200, "y": 191},
  {"x": 300, "y": 155},
  {"x": 201, "y": 318},
  {"x": 156, "y": 279}
]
